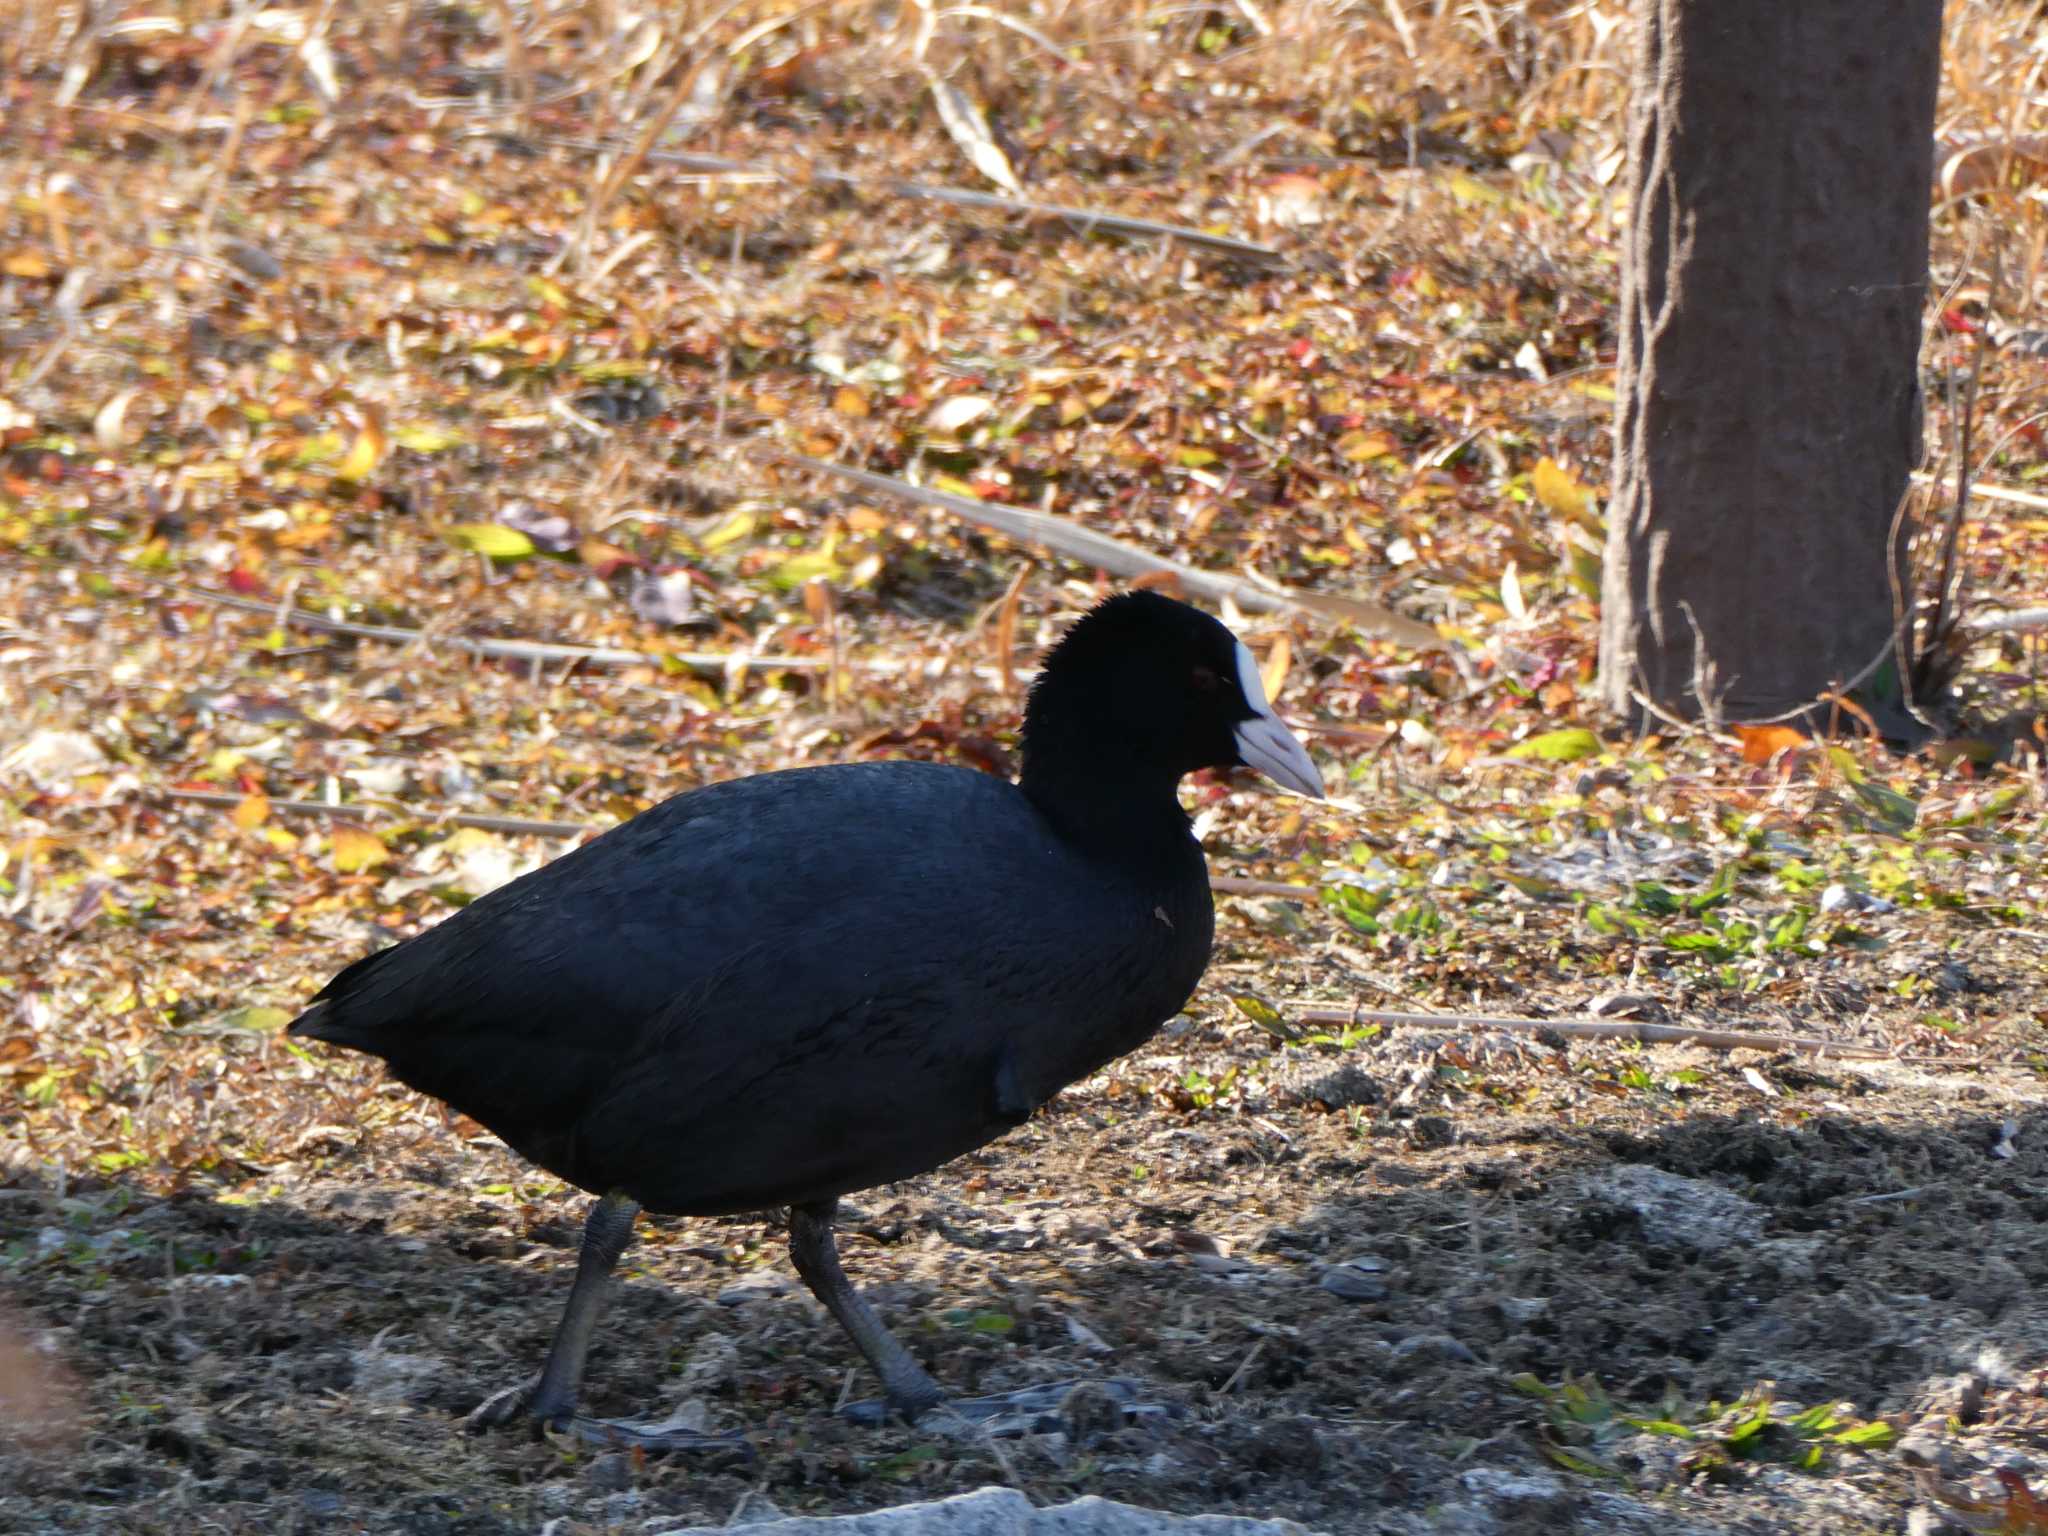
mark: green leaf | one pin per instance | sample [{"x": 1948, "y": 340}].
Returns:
[
  {"x": 1717, "y": 890},
  {"x": 798, "y": 569},
  {"x": 257, "y": 1021},
  {"x": 492, "y": 539},
  {"x": 1566, "y": 746},
  {"x": 1263, "y": 1014},
  {"x": 1895, "y": 810}
]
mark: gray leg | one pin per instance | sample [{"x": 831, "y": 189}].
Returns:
[
  {"x": 908, "y": 1389},
  {"x": 550, "y": 1398},
  {"x": 908, "y": 1386}
]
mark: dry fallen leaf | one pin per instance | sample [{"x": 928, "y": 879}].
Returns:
[
  {"x": 356, "y": 849},
  {"x": 1761, "y": 743}
]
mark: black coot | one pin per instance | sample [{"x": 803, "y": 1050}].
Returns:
[{"x": 781, "y": 989}]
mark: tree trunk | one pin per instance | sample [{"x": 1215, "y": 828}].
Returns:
[{"x": 1773, "y": 282}]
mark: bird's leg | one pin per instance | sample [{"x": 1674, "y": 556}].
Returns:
[
  {"x": 908, "y": 1386},
  {"x": 550, "y": 1398}
]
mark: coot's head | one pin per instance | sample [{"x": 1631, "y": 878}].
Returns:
[{"x": 1143, "y": 690}]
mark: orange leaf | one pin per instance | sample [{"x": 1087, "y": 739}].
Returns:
[
  {"x": 357, "y": 848},
  {"x": 605, "y": 558},
  {"x": 850, "y": 401},
  {"x": 253, "y": 811},
  {"x": 2024, "y": 1514},
  {"x": 1761, "y": 743},
  {"x": 1360, "y": 445}
]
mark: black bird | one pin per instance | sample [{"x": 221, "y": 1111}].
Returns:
[{"x": 780, "y": 989}]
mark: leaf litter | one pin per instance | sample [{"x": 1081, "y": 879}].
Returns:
[{"x": 375, "y": 516}]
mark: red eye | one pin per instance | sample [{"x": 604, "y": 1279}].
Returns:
[{"x": 1205, "y": 679}]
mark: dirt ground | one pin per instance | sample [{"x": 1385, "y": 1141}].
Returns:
[
  {"x": 327, "y": 372},
  {"x": 1347, "y": 1311}
]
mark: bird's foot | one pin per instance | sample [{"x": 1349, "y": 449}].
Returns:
[
  {"x": 520, "y": 1405},
  {"x": 1082, "y": 1409},
  {"x": 511, "y": 1406},
  {"x": 652, "y": 1435}
]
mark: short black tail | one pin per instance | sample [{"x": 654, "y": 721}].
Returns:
[{"x": 325, "y": 1018}]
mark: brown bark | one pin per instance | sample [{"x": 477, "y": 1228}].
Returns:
[{"x": 1774, "y": 276}]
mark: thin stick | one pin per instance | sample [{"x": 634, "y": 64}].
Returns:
[
  {"x": 520, "y": 650},
  {"x": 2009, "y": 622},
  {"x": 1990, "y": 492},
  {"x": 518, "y": 84},
  {"x": 1596, "y": 1029},
  {"x": 1233, "y": 885},
  {"x": 1947, "y": 593},
  {"x": 1088, "y": 220},
  {"x": 223, "y": 170},
  {"x": 357, "y": 810},
  {"x": 1069, "y": 538}
]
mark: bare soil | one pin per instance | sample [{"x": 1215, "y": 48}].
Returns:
[{"x": 294, "y": 1352}]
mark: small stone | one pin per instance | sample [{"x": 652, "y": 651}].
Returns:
[
  {"x": 1089, "y": 1413},
  {"x": 1522, "y": 1310},
  {"x": 1431, "y": 1131},
  {"x": 1923, "y": 1449},
  {"x": 610, "y": 1473},
  {"x": 1353, "y": 1280},
  {"x": 754, "y": 1508},
  {"x": 712, "y": 1365},
  {"x": 1434, "y": 1346},
  {"x": 253, "y": 260},
  {"x": 761, "y": 1287},
  {"x": 319, "y": 1504},
  {"x": 1289, "y": 1445},
  {"x": 1625, "y": 1005}
]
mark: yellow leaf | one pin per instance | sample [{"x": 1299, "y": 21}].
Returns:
[
  {"x": 493, "y": 539},
  {"x": 25, "y": 263},
  {"x": 363, "y": 456},
  {"x": 425, "y": 439},
  {"x": 1360, "y": 445},
  {"x": 356, "y": 849},
  {"x": 548, "y": 293},
  {"x": 1274, "y": 673},
  {"x": 1559, "y": 490},
  {"x": 731, "y": 531},
  {"x": 1466, "y": 190},
  {"x": 253, "y": 811},
  {"x": 849, "y": 401}
]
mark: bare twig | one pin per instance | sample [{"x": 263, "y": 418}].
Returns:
[
  {"x": 1233, "y": 885},
  {"x": 1088, "y": 220},
  {"x": 1068, "y": 538},
  {"x": 1595, "y": 1029},
  {"x": 1946, "y": 594},
  {"x": 518, "y": 82},
  {"x": 358, "y": 810},
  {"x": 2011, "y": 621},
  {"x": 1992, "y": 492},
  {"x": 520, "y": 650}
]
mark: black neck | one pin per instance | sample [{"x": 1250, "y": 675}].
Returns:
[{"x": 1102, "y": 805}]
